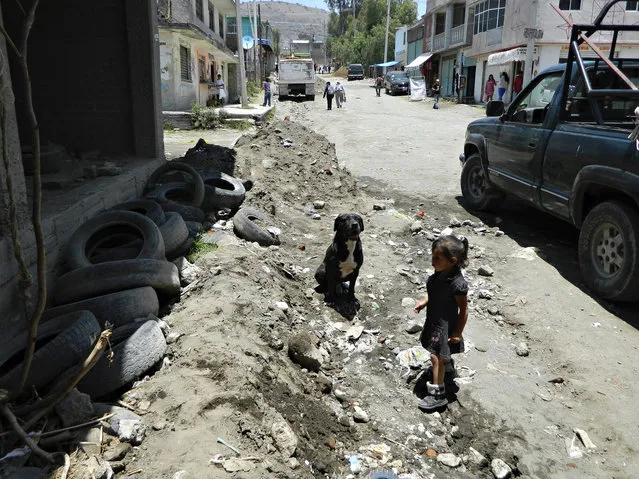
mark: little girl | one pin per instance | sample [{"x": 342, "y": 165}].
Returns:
[{"x": 446, "y": 306}]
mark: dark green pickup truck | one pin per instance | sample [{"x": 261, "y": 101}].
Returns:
[{"x": 566, "y": 150}]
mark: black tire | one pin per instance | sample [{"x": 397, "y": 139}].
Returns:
[
  {"x": 194, "y": 228},
  {"x": 118, "y": 308},
  {"x": 149, "y": 208},
  {"x": 91, "y": 234},
  {"x": 608, "y": 254},
  {"x": 175, "y": 232},
  {"x": 246, "y": 228},
  {"x": 477, "y": 192},
  {"x": 182, "y": 250},
  {"x": 68, "y": 348},
  {"x": 167, "y": 193},
  {"x": 132, "y": 358},
  {"x": 101, "y": 279},
  {"x": 196, "y": 188},
  {"x": 222, "y": 191},
  {"x": 115, "y": 254}
]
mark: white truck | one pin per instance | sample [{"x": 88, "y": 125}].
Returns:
[{"x": 296, "y": 77}]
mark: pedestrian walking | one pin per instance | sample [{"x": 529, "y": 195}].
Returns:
[
  {"x": 340, "y": 94},
  {"x": 267, "y": 91},
  {"x": 446, "y": 306},
  {"x": 379, "y": 82},
  {"x": 489, "y": 90},
  {"x": 329, "y": 92},
  {"x": 503, "y": 85},
  {"x": 436, "y": 88}
]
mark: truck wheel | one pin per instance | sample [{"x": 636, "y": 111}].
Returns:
[
  {"x": 608, "y": 255},
  {"x": 477, "y": 192}
]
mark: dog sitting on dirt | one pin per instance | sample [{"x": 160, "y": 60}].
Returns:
[{"x": 343, "y": 259}]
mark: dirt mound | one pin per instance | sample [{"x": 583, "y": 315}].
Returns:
[{"x": 341, "y": 72}]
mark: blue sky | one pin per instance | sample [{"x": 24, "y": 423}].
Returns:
[{"x": 421, "y": 5}]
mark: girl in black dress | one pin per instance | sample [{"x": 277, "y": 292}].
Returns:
[{"x": 446, "y": 313}]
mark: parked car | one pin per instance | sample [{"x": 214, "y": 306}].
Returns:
[
  {"x": 355, "y": 71},
  {"x": 564, "y": 149},
  {"x": 396, "y": 82}
]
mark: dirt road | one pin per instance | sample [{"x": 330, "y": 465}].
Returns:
[{"x": 408, "y": 152}]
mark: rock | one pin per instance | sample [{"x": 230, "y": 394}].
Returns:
[
  {"x": 481, "y": 229},
  {"x": 76, "y": 408},
  {"x": 359, "y": 415},
  {"x": 303, "y": 352},
  {"x": 408, "y": 303},
  {"x": 309, "y": 293},
  {"x": 500, "y": 469},
  {"x": 340, "y": 395},
  {"x": 522, "y": 349},
  {"x": 346, "y": 420},
  {"x": 454, "y": 222},
  {"x": 499, "y": 233},
  {"x": 235, "y": 464},
  {"x": 414, "y": 327},
  {"x": 449, "y": 459},
  {"x": 379, "y": 207},
  {"x": 281, "y": 305},
  {"x": 485, "y": 294},
  {"x": 446, "y": 232},
  {"x": 318, "y": 205},
  {"x": 117, "y": 452},
  {"x": 416, "y": 227},
  {"x": 481, "y": 348},
  {"x": 188, "y": 271},
  {"x": 485, "y": 271},
  {"x": 325, "y": 383},
  {"x": 293, "y": 463},
  {"x": 467, "y": 223},
  {"x": 182, "y": 475},
  {"x": 493, "y": 310},
  {"x": 173, "y": 336},
  {"x": 475, "y": 458},
  {"x": 98, "y": 468},
  {"x": 108, "y": 169},
  {"x": 456, "y": 432},
  {"x": 354, "y": 332},
  {"x": 132, "y": 430},
  {"x": 113, "y": 422},
  {"x": 284, "y": 437},
  {"x": 159, "y": 425}
]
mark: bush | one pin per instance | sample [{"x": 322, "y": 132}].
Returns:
[
  {"x": 204, "y": 117},
  {"x": 253, "y": 89}
]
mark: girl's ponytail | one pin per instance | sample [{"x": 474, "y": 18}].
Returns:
[{"x": 463, "y": 260}]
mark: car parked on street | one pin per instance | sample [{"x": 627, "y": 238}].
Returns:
[
  {"x": 396, "y": 82},
  {"x": 355, "y": 71}
]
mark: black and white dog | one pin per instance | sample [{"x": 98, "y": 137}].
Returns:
[{"x": 344, "y": 258}]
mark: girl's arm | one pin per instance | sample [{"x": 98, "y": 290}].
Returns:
[
  {"x": 462, "y": 317},
  {"x": 421, "y": 305}
]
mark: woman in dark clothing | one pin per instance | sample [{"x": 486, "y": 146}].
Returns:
[{"x": 329, "y": 93}]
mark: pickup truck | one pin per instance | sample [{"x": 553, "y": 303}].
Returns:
[
  {"x": 296, "y": 77},
  {"x": 568, "y": 153}
]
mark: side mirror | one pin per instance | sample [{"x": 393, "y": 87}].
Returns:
[{"x": 495, "y": 108}]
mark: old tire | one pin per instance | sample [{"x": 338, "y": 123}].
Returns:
[
  {"x": 115, "y": 254},
  {"x": 194, "y": 228},
  {"x": 477, "y": 191},
  {"x": 118, "y": 308},
  {"x": 245, "y": 227},
  {"x": 182, "y": 250},
  {"x": 608, "y": 254},
  {"x": 149, "y": 208},
  {"x": 222, "y": 191},
  {"x": 175, "y": 197},
  {"x": 68, "y": 348},
  {"x": 175, "y": 232},
  {"x": 196, "y": 188},
  {"x": 91, "y": 235},
  {"x": 105, "y": 278},
  {"x": 132, "y": 358}
]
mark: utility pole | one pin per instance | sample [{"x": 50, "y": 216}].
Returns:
[
  {"x": 240, "y": 54},
  {"x": 255, "y": 43},
  {"x": 259, "y": 38},
  {"x": 530, "y": 47},
  {"x": 386, "y": 37}
]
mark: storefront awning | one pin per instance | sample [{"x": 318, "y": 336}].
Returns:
[
  {"x": 417, "y": 62},
  {"x": 514, "y": 55}
]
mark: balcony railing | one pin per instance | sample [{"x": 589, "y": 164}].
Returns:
[
  {"x": 439, "y": 42},
  {"x": 457, "y": 34}
]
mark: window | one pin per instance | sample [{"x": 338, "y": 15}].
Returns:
[
  {"x": 199, "y": 11},
  {"x": 533, "y": 107},
  {"x": 221, "y": 24},
  {"x": 440, "y": 23},
  {"x": 489, "y": 15},
  {"x": 632, "y": 6},
  {"x": 231, "y": 26},
  {"x": 185, "y": 63},
  {"x": 570, "y": 4},
  {"x": 459, "y": 14},
  {"x": 211, "y": 17}
]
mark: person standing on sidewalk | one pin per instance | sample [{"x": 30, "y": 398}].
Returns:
[
  {"x": 340, "y": 95},
  {"x": 267, "y": 91},
  {"x": 446, "y": 306},
  {"x": 329, "y": 93},
  {"x": 436, "y": 88},
  {"x": 502, "y": 86}
]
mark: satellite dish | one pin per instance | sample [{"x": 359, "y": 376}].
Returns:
[{"x": 247, "y": 42}]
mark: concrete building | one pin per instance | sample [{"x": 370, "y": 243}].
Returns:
[
  {"x": 193, "y": 51},
  {"x": 415, "y": 41},
  {"x": 401, "y": 46},
  {"x": 500, "y": 29},
  {"x": 96, "y": 93},
  {"x": 263, "y": 47}
]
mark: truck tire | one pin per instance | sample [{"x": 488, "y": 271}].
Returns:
[
  {"x": 608, "y": 254},
  {"x": 196, "y": 188},
  {"x": 477, "y": 192},
  {"x": 148, "y": 208},
  {"x": 222, "y": 191}
]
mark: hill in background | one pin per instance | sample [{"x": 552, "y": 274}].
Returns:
[{"x": 293, "y": 19}]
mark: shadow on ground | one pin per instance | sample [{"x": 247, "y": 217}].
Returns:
[{"x": 556, "y": 243}]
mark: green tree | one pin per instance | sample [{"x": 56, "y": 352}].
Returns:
[{"x": 276, "y": 41}]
